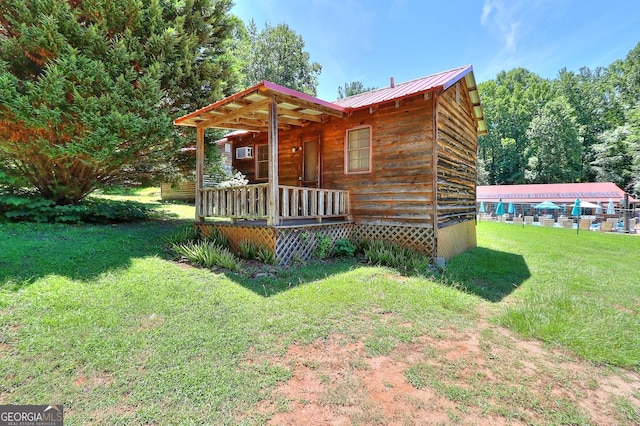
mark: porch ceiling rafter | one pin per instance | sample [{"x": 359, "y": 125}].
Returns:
[
  {"x": 256, "y": 123},
  {"x": 262, "y": 119},
  {"x": 249, "y": 110},
  {"x": 307, "y": 105},
  {"x": 300, "y": 115},
  {"x": 245, "y": 112}
]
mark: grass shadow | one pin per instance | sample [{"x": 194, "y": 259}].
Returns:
[
  {"x": 79, "y": 252},
  {"x": 487, "y": 273},
  {"x": 270, "y": 281}
]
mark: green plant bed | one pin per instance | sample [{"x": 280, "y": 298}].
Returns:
[{"x": 23, "y": 208}]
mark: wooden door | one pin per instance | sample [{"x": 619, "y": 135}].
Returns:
[{"x": 310, "y": 161}]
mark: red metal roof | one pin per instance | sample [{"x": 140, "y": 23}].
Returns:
[
  {"x": 439, "y": 81},
  {"x": 265, "y": 85},
  {"x": 556, "y": 192},
  {"x": 442, "y": 80}
]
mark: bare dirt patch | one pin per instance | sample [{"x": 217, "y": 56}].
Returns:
[
  {"x": 151, "y": 321},
  {"x": 5, "y": 349},
  {"x": 88, "y": 383},
  {"x": 485, "y": 376}
]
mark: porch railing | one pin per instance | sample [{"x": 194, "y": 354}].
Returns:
[
  {"x": 252, "y": 202},
  {"x": 303, "y": 202}
]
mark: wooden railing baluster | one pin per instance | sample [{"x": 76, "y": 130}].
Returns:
[{"x": 251, "y": 202}]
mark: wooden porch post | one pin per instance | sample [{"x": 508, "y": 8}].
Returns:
[
  {"x": 273, "y": 218},
  {"x": 199, "y": 173}
]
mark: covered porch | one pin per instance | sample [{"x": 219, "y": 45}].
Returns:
[
  {"x": 283, "y": 208},
  {"x": 269, "y": 109}
]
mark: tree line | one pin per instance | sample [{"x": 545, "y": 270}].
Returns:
[
  {"x": 578, "y": 127},
  {"x": 88, "y": 92}
]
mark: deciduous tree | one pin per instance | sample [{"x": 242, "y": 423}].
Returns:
[
  {"x": 510, "y": 102},
  {"x": 555, "y": 147},
  {"x": 276, "y": 54},
  {"x": 596, "y": 109},
  {"x": 613, "y": 157}
]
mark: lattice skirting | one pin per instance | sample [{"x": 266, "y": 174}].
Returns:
[
  {"x": 300, "y": 242},
  {"x": 288, "y": 243},
  {"x": 261, "y": 235},
  {"x": 420, "y": 238}
]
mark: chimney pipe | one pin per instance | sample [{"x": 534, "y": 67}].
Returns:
[{"x": 393, "y": 82}]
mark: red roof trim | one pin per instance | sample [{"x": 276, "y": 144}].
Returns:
[
  {"x": 266, "y": 85},
  {"x": 439, "y": 81},
  {"x": 303, "y": 96},
  {"x": 218, "y": 103},
  {"x": 557, "y": 192},
  {"x": 466, "y": 70}
]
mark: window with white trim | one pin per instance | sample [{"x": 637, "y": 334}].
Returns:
[
  {"x": 262, "y": 162},
  {"x": 358, "y": 150}
]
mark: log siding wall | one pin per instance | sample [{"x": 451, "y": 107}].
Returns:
[
  {"x": 457, "y": 155},
  {"x": 399, "y": 191}
]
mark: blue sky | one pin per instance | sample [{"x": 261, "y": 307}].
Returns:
[{"x": 372, "y": 40}]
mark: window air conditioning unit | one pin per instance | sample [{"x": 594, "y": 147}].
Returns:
[{"x": 244, "y": 152}]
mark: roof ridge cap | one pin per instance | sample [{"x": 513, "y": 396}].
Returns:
[{"x": 403, "y": 83}]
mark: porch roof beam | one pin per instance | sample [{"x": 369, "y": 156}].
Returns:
[
  {"x": 256, "y": 115},
  {"x": 239, "y": 113},
  {"x": 298, "y": 114},
  {"x": 303, "y": 104},
  {"x": 260, "y": 124}
]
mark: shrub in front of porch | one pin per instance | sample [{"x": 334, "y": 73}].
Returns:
[
  {"x": 251, "y": 251},
  {"x": 405, "y": 259},
  {"x": 205, "y": 250},
  {"x": 208, "y": 254},
  {"x": 344, "y": 247}
]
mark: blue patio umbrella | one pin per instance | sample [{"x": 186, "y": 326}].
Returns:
[
  {"x": 500, "y": 208},
  {"x": 575, "y": 211},
  {"x": 511, "y": 209},
  {"x": 599, "y": 208},
  {"x": 482, "y": 210},
  {"x": 610, "y": 207}
]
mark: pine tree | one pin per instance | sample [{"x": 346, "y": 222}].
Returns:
[
  {"x": 88, "y": 88},
  {"x": 352, "y": 89}
]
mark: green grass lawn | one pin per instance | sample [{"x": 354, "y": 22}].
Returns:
[
  {"x": 581, "y": 291},
  {"x": 97, "y": 318},
  {"x": 151, "y": 197}
]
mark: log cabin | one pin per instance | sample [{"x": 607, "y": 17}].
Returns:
[{"x": 395, "y": 164}]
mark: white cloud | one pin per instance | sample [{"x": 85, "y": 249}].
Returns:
[
  {"x": 486, "y": 11},
  {"x": 502, "y": 22}
]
